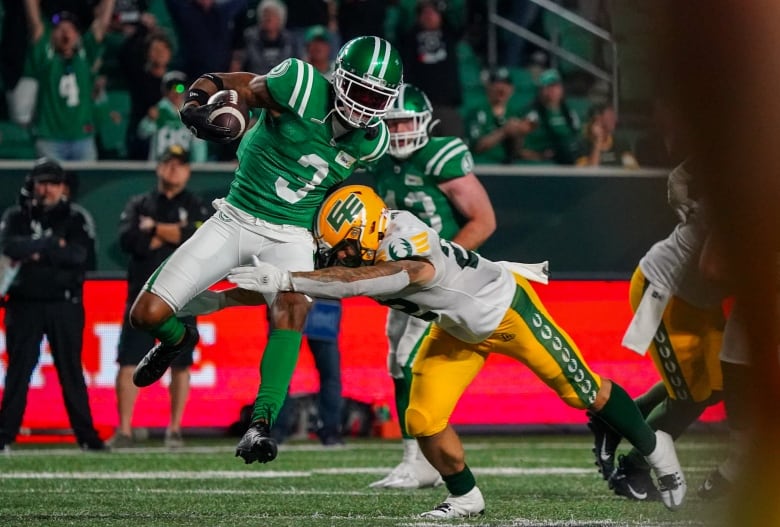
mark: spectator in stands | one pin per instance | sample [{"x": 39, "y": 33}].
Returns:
[
  {"x": 206, "y": 33},
  {"x": 318, "y": 50},
  {"x": 303, "y": 14},
  {"x": 53, "y": 243},
  {"x": 556, "y": 133},
  {"x": 144, "y": 69},
  {"x": 267, "y": 43},
  {"x": 151, "y": 227},
  {"x": 495, "y": 130},
  {"x": 428, "y": 51},
  {"x": 162, "y": 124},
  {"x": 62, "y": 63},
  {"x": 601, "y": 146}
]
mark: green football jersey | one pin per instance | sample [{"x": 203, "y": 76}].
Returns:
[
  {"x": 413, "y": 184},
  {"x": 64, "y": 107},
  {"x": 287, "y": 163}
]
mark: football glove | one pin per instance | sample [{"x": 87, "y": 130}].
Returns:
[
  {"x": 196, "y": 118},
  {"x": 261, "y": 277}
]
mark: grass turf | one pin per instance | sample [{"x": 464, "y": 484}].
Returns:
[{"x": 531, "y": 480}]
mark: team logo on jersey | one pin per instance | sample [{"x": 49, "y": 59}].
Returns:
[
  {"x": 280, "y": 69},
  {"x": 467, "y": 163},
  {"x": 399, "y": 249},
  {"x": 344, "y": 159}
]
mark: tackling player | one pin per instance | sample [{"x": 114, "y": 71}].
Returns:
[
  {"x": 433, "y": 178},
  {"x": 310, "y": 136},
  {"x": 476, "y": 307}
]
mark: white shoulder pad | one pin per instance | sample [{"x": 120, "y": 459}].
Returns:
[{"x": 406, "y": 237}]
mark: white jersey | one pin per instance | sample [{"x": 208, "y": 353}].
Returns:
[
  {"x": 468, "y": 296},
  {"x": 673, "y": 263}
]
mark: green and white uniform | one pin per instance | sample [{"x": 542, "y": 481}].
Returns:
[
  {"x": 286, "y": 164},
  {"x": 168, "y": 130},
  {"x": 412, "y": 184},
  {"x": 64, "y": 107}
]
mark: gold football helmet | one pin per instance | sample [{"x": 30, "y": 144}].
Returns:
[{"x": 349, "y": 226}]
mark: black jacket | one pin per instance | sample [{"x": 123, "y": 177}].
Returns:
[
  {"x": 184, "y": 208},
  {"x": 55, "y": 247}
]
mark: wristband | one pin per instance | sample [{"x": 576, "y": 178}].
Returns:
[
  {"x": 199, "y": 96},
  {"x": 215, "y": 80}
]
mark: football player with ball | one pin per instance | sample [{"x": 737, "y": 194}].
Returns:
[{"x": 310, "y": 135}]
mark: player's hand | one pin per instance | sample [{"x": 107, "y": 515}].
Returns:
[
  {"x": 196, "y": 118},
  {"x": 261, "y": 277}
]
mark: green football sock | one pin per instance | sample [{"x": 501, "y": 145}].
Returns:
[
  {"x": 276, "y": 369},
  {"x": 170, "y": 332},
  {"x": 402, "y": 387},
  {"x": 622, "y": 414},
  {"x": 651, "y": 398},
  {"x": 460, "y": 483},
  {"x": 674, "y": 416}
]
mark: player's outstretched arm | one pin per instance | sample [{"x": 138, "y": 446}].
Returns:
[{"x": 380, "y": 279}]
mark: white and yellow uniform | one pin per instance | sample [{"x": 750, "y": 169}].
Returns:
[{"x": 477, "y": 307}]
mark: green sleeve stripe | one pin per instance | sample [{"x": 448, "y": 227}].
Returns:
[
  {"x": 434, "y": 163},
  {"x": 381, "y": 47},
  {"x": 381, "y": 146},
  {"x": 305, "y": 75}
]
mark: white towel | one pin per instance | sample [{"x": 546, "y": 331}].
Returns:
[
  {"x": 647, "y": 319},
  {"x": 8, "y": 270}
]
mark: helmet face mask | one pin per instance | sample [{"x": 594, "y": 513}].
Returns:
[
  {"x": 411, "y": 104},
  {"x": 367, "y": 76},
  {"x": 349, "y": 227}
]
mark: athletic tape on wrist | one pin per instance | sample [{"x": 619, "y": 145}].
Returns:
[{"x": 199, "y": 96}]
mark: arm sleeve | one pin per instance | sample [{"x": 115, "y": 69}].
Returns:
[{"x": 371, "y": 287}]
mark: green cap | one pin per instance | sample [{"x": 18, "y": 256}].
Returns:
[
  {"x": 548, "y": 78},
  {"x": 317, "y": 33}
]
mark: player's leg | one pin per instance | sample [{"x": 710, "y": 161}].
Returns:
[
  {"x": 288, "y": 248},
  {"x": 201, "y": 261},
  {"x": 178, "y": 392},
  {"x": 441, "y": 372},
  {"x": 405, "y": 334},
  {"x": 552, "y": 355}
]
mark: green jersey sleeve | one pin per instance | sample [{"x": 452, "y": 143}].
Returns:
[
  {"x": 298, "y": 87},
  {"x": 450, "y": 158}
]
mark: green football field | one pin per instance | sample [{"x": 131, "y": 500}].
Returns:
[{"x": 527, "y": 480}]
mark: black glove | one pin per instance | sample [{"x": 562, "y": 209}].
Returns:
[{"x": 196, "y": 118}]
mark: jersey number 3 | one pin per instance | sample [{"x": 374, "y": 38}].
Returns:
[{"x": 321, "y": 170}]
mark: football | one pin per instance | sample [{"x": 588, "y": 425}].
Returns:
[{"x": 233, "y": 114}]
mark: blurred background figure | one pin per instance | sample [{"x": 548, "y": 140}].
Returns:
[
  {"x": 53, "y": 243},
  {"x": 555, "y": 137},
  {"x": 151, "y": 227},
  {"x": 602, "y": 147},
  {"x": 162, "y": 125},
  {"x": 268, "y": 42},
  {"x": 496, "y": 129},
  {"x": 60, "y": 68},
  {"x": 318, "y": 50},
  {"x": 428, "y": 51}
]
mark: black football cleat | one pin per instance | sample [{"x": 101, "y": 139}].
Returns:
[
  {"x": 714, "y": 486},
  {"x": 605, "y": 441},
  {"x": 633, "y": 482},
  {"x": 257, "y": 444},
  {"x": 156, "y": 362}
]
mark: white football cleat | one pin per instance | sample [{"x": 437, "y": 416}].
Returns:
[
  {"x": 671, "y": 481},
  {"x": 466, "y": 506},
  {"x": 417, "y": 474}
]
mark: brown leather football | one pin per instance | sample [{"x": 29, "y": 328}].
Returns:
[{"x": 233, "y": 114}]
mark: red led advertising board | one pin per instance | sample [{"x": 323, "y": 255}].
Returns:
[{"x": 226, "y": 375}]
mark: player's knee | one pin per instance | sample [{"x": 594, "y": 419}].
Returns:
[
  {"x": 148, "y": 311},
  {"x": 419, "y": 423},
  {"x": 289, "y": 311}
]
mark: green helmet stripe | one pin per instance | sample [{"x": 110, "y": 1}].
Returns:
[
  {"x": 401, "y": 100},
  {"x": 381, "y": 145},
  {"x": 305, "y": 74},
  {"x": 434, "y": 161}
]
